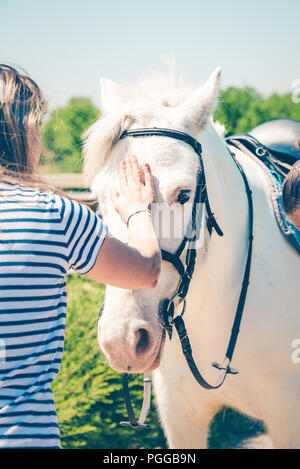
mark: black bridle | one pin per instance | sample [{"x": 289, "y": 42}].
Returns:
[{"x": 168, "y": 306}]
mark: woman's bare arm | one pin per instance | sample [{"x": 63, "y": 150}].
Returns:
[{"x": 136, "y": 264}]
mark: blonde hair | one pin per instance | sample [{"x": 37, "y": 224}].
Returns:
[{"x": 22, "y": 107}]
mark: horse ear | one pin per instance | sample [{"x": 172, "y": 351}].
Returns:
[
  {"x": 194, "y": 113},
  {"x": 110, "y": 95}
]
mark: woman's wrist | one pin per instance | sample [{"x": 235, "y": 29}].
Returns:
[
  {"x": 130, "y": 209},
  {"x": 140, "y": 226},
  {"x": 138, "y": 212}
]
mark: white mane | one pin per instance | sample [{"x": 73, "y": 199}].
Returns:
[{"x": 139, "y": 103}]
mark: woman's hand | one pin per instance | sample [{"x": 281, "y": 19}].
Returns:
[
  {"x": 136, "y": 188},
  {"x": 137, "y": 263}
]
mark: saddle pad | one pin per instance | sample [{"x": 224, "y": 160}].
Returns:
[
  {"x": 286, "y": 227},
  {"x": 276, "y": 181}
]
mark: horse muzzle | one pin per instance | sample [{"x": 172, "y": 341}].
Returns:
[{"x": 135, "y": 348}]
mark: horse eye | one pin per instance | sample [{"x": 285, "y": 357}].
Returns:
[{"x": 183, "y": 196}]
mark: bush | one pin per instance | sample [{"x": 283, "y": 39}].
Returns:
[{"x": 62, "y": 135}]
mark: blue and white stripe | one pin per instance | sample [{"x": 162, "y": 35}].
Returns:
[{"x": 42, "y": 236}]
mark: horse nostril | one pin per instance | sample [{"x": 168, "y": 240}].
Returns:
[{"x": 143, "y": 341}]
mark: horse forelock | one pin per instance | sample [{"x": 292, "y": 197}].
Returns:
[{"x": 142, "y": 104}]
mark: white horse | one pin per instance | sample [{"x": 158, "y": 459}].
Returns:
[{"x": 130, "y": 333}]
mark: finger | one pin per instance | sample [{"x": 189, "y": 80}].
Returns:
[
  {"x": 114, "y": 194},
  {"x": 133, "y": 169},
  {"x": 123, "y": 177},
  {"x": 142, "y": 174},
  {"x": 148, "y": 177}
]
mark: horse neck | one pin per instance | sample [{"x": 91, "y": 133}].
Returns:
[
  {"x": 223, "y": 180},
  {"x": 220, "y": 264}
]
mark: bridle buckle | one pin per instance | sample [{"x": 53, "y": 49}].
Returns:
[{"x": 181, "y": 300}]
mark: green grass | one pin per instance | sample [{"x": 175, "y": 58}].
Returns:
[
  {"x": 89, "y": 396},
  {"x": 229, "y": 427}
]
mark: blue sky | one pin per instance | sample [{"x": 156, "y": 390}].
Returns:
[{"x": 66, "y": 45}]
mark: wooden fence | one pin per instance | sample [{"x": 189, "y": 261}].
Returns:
[{"x": 72, "y": 184}]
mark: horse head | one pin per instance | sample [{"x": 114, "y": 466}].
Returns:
[{"x": 131, "y": 334}]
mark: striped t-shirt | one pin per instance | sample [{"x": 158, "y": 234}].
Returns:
[{"x": 42, "y": 236}]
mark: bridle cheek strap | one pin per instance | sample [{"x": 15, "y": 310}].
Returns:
[
  {"x": 174, "y": 260},
  {"x": 178, "y": 321}
]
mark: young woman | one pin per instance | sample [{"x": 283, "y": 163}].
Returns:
[
  {"x": 42, "y": 235},
  {"x": 291, "y": 195}
]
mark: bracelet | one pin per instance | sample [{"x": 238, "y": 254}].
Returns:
[{"x": 134, "y": 213}]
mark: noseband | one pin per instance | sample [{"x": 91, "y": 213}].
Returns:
[{"x": 188, "y": 243}]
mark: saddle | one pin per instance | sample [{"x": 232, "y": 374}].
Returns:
[
  {"x": 276, "y": 143},
  {"x": 275, "y": 151},
  {"x": 281, "y": 137}
]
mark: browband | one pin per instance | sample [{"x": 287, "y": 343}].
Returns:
[{"x": 154, "y": 131}]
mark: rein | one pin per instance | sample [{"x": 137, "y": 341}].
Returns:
[{"x": 168, "y": 306}]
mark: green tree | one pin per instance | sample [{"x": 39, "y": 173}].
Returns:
[
  {"x": 239, "y": 109},
  {"x": 242, "y": 109},
  {"x": 62, "y": 134},
  {"x": 234, "y": 105}
]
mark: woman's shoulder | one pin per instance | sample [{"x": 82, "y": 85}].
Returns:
[
  {"x": 34, "y": 201},
  {"x": 25, "y": 193},
  {"x": 41, "y": 203}
]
